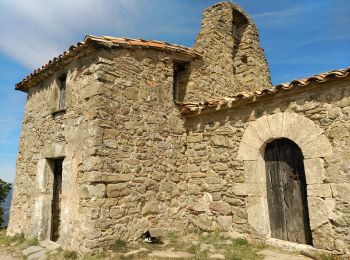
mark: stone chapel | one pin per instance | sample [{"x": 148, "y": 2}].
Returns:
[{"x": 122, "y": 135}]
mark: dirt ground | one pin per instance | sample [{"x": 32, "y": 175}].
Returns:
[
  {"x": 7, "y": 254},
  {"x": 195, "y": 245}
]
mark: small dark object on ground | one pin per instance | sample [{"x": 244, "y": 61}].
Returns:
[
  {"x": 149, "y": 239},
  {"x": 153, "y": 235}
]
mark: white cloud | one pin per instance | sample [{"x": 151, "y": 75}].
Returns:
[
  {"x": 278, "y": 14},
  {"x": 32, "y": 32},
  {"x": 281, "y": 17}
]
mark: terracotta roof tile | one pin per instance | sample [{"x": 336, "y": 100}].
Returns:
[
  {"x": 74, "y": 50},
  {"x": 227, "y": 102},
  {"x": 137, "y": 42}
]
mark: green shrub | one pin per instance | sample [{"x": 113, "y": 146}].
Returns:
[{"x": 4, "y": 189}]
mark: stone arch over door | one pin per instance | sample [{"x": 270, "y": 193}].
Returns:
[{"x": 314, "y": 146}]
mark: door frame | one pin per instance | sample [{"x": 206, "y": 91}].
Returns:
[
  {"x": 314, "y": 146},
  {"x": 43, "y": 188}
]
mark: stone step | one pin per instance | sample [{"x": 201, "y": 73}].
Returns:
[
  {"x": 40, "y": 255},
  {"x": 31, "y": 250},
  {"x": 49, "y": 245},
  {"x": 273, "y": 255}
]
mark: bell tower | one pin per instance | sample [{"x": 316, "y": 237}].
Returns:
[{"x": 232, "y": 55}]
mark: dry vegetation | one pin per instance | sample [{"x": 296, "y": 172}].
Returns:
[{"x": 200, "y": 244}]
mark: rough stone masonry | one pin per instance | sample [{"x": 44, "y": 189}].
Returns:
[{"x": 152, "y": 134}]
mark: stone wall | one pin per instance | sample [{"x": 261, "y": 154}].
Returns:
[
  {"x": 138, "y": 180},
  {"x": 227, "y": 188},
  {"x": 49, "y": 132}
]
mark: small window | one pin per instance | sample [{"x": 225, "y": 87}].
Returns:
[
  {"x": 62, "y": 86},
  {"x": 180, "y": 80}
]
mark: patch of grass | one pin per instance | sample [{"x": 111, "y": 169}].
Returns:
[
  {"x": 327, "y": 257},
  {"x": 7, "y": 241},
  {"x": 202, "y": 244},
  {"x": 33, "y": 242},
  {"x": 182, "y": 243},
  {"x": 67, "y": 254},
  {"x": 18, "y": 240},
  {"x": 173, "y": 236},
  {"x": 214, "y": 238},
  {"x": 234, "y": 249},
  {"x": 242, "y": 249},
  {"x": 119, "y": 246},
  {"x": 95, "y": 256},
  {"x": 16, "y": 243},
  {"x": 155, "y": 246},
  {"x": 240, "y": 242},
  {"x": 193, "y": 249}
]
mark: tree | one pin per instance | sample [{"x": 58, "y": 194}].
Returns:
[{"x": 4, "y": 190}]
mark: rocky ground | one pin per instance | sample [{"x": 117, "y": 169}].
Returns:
[{"x": 175, "y": 246}]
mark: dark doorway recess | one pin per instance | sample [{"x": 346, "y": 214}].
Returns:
[
  {"x": 286, "y": 192},
  {"x": 56, "y": 199}
]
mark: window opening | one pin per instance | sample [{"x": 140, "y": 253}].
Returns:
[
  {"x": 62, "y": 86},
  {"x": 180, "y": 80}
]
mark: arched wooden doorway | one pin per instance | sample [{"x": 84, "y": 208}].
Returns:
[{"x": 286, "y": 192}]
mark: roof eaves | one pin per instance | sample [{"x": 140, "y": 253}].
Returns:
[
  {"x": 73, "y": 52},
  {"x": 55, "y": 64},
  {"x": 228, "y": 102}
]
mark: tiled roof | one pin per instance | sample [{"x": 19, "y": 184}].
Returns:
[
  {"x": 74, "y": 51},
  {"x": 152, "y": 44},
  {"x": 228, "y": 102}
]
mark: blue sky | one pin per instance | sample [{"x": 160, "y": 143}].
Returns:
[{"x": 300, "y": 38}]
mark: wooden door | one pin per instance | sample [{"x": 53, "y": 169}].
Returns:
[
  {"x": 286, "y": 192},
  {"x": 56, "y": 200}
]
